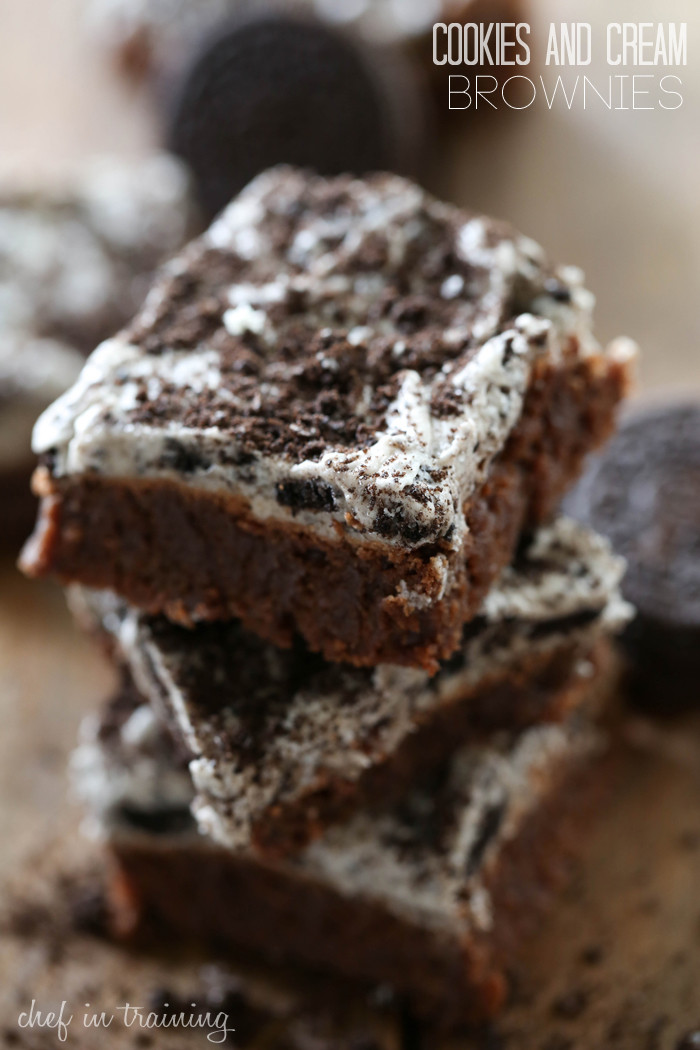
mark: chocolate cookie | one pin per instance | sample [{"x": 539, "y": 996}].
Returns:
[
  {"x": 280, "y": 88},
  {"x": 644, "y": 494}
]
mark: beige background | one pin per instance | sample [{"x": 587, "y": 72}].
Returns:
[{"x": 615, "y": 193}]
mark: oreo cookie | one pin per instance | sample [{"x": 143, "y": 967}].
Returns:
[
  {"x": 644, "y": 494},
  {"x": 282, "y": 88}
]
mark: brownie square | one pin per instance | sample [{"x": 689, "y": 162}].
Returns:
[
  {"x": 77, "y": 257},
  {"x": 335, "y": 416},
  {"x": 434, "y": 896},
  {"x": 282, "y": 744}
]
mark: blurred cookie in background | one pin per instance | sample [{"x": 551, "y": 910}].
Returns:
[
  {"x": 76, "y": 261},
  {"x": 282, "y": 88},
  {"x": 75, "y": 264},
  {"x": 643, "y": 492}
]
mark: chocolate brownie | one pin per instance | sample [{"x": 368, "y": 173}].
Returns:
[
  {"x": 283, "y": 744},
  {"x": 433, "y": 896},
  {"x": 33, "y": 373},
  {"x": 76, "y": 260},
  {"x": 335, "y": 416},
  {"x": 644, "y": 493}
]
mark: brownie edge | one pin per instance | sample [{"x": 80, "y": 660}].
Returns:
[{"x": 452, "y": 974}]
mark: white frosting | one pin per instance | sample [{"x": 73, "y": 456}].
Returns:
[
  {"x": 414, "y": 441},
  {"x": 582, "y": 573},
  {"x": 375, "y": 857},
  {"x": 67, "y": 256},
  {"x": 365, "y": 856}
]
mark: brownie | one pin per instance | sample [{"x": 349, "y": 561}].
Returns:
[
  {"x": 76, "y": 259},
  {"x": 644, "y": 493},
  {"x": 284, "y": 745},
  {"x": 433, "y": 896},
  {"x": 335, "y": 416}
]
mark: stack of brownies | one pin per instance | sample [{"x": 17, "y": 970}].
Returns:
[{"x": 308, "y": 501}]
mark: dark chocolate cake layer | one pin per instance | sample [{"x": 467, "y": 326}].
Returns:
[
  {"x": 283, "y": 744},
  {"x": 334, "y": 416},
  {"x": 434, "y": 896}
]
